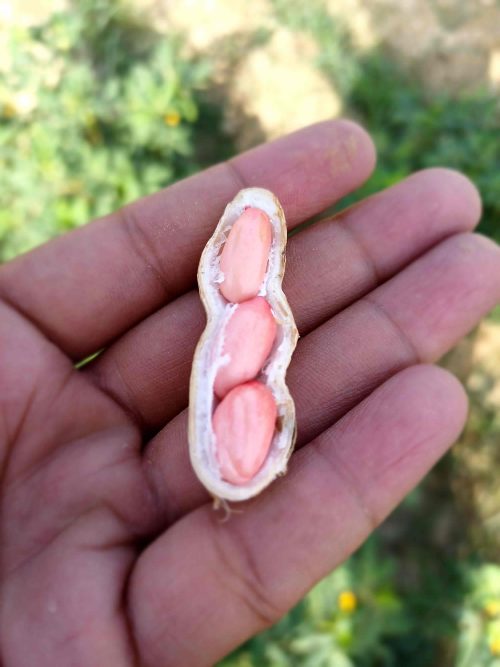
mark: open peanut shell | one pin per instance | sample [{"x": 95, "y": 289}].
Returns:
[{"x": 208, "y": 356}]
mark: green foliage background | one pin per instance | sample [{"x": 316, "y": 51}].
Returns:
[{"x": 96, "y": 110}]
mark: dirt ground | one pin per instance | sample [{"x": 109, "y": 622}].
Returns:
[{"x": 448, "y": 44}]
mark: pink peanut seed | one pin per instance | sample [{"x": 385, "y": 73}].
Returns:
[
  {"x": 248, "y": 338},
  {"x": 243, "y": 260},
  {"x": 243, "y": 425}
]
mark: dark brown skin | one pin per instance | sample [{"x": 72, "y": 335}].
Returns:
[{"x": 111, "y": 553}]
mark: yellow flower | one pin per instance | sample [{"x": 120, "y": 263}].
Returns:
[
  {"x": 492, "y": 608},
  {"x": 172, "y": 118},
  {"x": 347, "y": 602},
  {"x": 9, "y": 111},
  {"x": 495, "y": 646}
]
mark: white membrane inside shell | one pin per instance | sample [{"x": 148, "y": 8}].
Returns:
[{"x": 209, "y": 358}]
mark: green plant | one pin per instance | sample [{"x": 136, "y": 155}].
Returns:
[
  {"x": 95, "y": 110},
  {"x": 347, "y": 620},
  {"x": 414, "y": 129},
  {"x": 479, "y": 640}
]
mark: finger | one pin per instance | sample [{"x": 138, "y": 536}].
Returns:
[
  {"x": 96, "y": 282},
  {"x": 246, "y": 573},
  {"x": 416, "y": 316},
  {"x": 329, "y": 266},
  {"x": 375, "y": 239}
]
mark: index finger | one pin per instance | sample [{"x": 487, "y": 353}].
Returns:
[{"x": 86, "y": 288}]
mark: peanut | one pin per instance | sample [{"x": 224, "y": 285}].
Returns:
[
  {"x": 243, "y": 260},
  {"x": 243, "y": 425},
  {"x": 248, "y": 338}
]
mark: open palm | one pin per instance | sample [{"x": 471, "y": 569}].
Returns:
[{"x": 111, "y": 553}]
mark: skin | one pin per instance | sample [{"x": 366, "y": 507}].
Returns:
[{"x": 110, "y": 551}]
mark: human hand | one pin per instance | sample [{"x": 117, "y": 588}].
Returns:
[{"x": 111, "y": 553}]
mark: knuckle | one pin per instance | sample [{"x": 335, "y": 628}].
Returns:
[
  {"x": 242, "y": 577},
  {"x": 347, "y": 478}
]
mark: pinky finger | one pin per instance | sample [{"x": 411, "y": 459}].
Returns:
[{"x": 205, "y": 586}]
